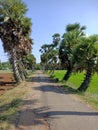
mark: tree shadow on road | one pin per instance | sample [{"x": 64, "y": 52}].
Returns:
[
  {"x": 20, "y": 113},
  {"x": 40, "y": 79},
  {"x": 51, "y": 87},
  {"x": 36, "y": 116},
  {"x": 41, "y": 115},
  {"x": 56, "y": 89}
]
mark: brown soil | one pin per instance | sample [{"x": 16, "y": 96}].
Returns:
[{"x": 7, "y": 82}]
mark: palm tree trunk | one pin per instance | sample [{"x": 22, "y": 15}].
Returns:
[
  {"x": 85, "y": 84},
  {"x": 22, "y": 70},
  {"x": 68, "y": 73},
  {"x": 15, "y": 66}
]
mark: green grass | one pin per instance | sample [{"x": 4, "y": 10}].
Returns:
[
  {"x": 58, "y": 74},
  {"x": 94, "y": 85},
  {"x": 77, "y": 79},
  {"x": 91, "y": 95}
]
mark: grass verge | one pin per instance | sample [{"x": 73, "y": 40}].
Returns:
[{"x": 9, "y": 106}]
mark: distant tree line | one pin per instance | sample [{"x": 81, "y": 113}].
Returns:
[
  {"x": 5, "y": 66},
  {"x": 74, "y": 52}
]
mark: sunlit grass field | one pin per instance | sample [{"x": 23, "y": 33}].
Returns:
[
  {"x": 91, "y": 95},
  {"x": 77, "y": 78}
]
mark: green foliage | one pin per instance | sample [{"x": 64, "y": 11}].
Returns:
[
  {"x": 13, "y": 9},
  {"x": 0, "y": 66},
  {"x": 38, "y": 66},
  {"x": 3, "y": 118},
  {"x": 15, "y": 35},
  {"x": 6, "y": 65},
  {"x": 30, "y": 60},
  {"x": 26, "y": 25},
  {"x": 75, "y": 26},
  {"x": 56, "y": 39},
  {"x": 71, "y": 38},
  {"x": 49, "y": 56},
  {"x": 86, "y": 53}
]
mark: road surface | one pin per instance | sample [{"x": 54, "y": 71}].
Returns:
[{"x": 47, "y": 107}]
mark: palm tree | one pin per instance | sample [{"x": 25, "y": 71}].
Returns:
[
  {"x": 30, "y": 62},
  {"x": 49, "y": 52},
  {"x": 56, "y": 39},
  {"x": 86, "y": 57},
  {"x": 44, "y": 56},
  {"x": 14, "y": 32},
  {"x": 71, "y": 38},
  {"x": 9, "y": 46}
]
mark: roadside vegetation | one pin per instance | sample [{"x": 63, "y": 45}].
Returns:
[
  {"x": 90, "y": 96},
  {"x": 9, "y": 106},
  {"x": 69, "y": 54},
  {"x": 15, "y": 31},
  {"x": 74, "y": 51},
  {"x": 11, "y": 98},
  {"x": 73, "y": 60}
]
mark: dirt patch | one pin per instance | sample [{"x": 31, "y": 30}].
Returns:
[{"x": 7, "y": 82}]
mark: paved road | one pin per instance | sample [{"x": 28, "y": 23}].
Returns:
[{"x": 59, "y": 110}]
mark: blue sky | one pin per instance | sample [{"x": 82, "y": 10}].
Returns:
[{"x": 52, "y": 16}]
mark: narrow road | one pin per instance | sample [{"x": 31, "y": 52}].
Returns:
[{"x": 50, "y": 108}]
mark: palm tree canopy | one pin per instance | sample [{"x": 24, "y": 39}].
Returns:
[{"x": 13, "y": 9}]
